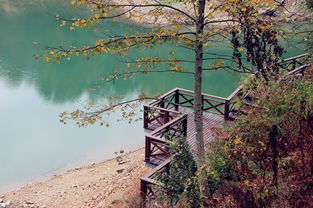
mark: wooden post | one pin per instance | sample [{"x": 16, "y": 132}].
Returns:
[
  {"x": 162, "y": 104},
  {"x": 143, "y": 189},
  {"x": 226, "y": 109},
  {"x": 145, "y": 117},
  {"x": 202, "y": 100},
  {"x": 294, "y": 64},
  {"x": 185, "y": 126},
  {"x": 176, "y": 99},
  {"x": 147, "y": 149},
  {"x": 166, "y": 117}
]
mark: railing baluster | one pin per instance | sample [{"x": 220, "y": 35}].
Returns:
[
  {"x": 166, "y": 117},
  {"x": 176, "y": 99},
  {"x": 162, "y": 104},
  {"x": 147, "y": 149},
  {"x": 143, "y": 188},
  {"x": 226, "y": 109},
  {"x": 185, "y": 122},
  {"x": 145, "y": 117}
]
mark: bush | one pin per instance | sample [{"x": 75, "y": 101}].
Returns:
[
  {"x": 266, "y": 159},
  {"x": 309, "y": 4},
  {"x": 181, "y": 184}
]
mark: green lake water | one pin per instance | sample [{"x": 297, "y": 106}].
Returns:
[{"x": 33, "y": 143}]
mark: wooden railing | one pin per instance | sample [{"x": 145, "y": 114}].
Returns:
[
  {"x": 168, "y": 106},
  {"x": 149, "y": 184},
  {"x": 299, "y": 70},
  {"x": 157, "y": 142},
  {"x": 294, "y": 62},
  {"x": 155, "y": 117}
]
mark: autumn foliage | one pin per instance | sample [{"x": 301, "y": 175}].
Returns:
[{"x": 266, "y": 157}]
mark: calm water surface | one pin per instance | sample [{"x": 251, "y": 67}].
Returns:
[{"x": 34, "y": 144}]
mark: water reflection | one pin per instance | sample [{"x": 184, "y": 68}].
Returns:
[{"x": 27, "y": 31}]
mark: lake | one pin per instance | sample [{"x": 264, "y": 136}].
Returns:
[{"x": 34, "y": 144}]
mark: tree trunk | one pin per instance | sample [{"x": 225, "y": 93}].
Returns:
[{"x": 198, "y": 104}]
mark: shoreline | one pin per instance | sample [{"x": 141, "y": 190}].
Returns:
[
  {"x": 77, "y": 164},
  {"x": 105, "y": 184}
]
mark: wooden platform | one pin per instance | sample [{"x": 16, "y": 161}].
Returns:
[
  {"x": 171, "y": 117},
  {"x": 210, "y": 121}
]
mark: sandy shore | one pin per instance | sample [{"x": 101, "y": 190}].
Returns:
[
  {"x": 107, "y": 184},
  {"x": 150, "y": 16}
]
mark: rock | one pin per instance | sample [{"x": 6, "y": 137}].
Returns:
[
  {"x": 120, "y": 170},
  {"x": 1, "y": 200},
  {"x": 121, "y": 162},
  {"x": 29, "y": 202},
  {"x": 29, "y": 206},
  {"x": 115, "y": 201},
  {"x": 5, "y": 204}
]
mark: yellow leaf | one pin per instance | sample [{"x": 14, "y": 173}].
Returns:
[
  {"x": 47, "y": 59},
  {"x": 237, "y": 140}
]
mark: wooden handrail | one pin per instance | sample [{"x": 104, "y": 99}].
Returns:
[
  {"x": 299, "y": 69},
  {"x": 204, "y": 94},
  {"x": 162, "y": 109},
  {"x": 231, "y": 96},
  {"x": 213, "y": 96},
  {"x": 162, "y": 96},
  {"x": 149, "y": 180},
  {"x": 295, "y": 57},
  {"x": 212, "y": 100},
  {"x": 159, "y": 139},
  {"x": 169, "y": 123},
  {"x": 148, "y": 177}
]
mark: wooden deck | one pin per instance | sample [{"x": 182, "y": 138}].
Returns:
[
  {"x": 210, "y": 121},
  {"x": 171, "y": 117}
]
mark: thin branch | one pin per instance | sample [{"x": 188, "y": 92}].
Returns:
[
  {"x": 121, "y": 38},
  {"x": 216, "y": 54},
  {"x": 149, "y": 5},
  {"x": 219, "y": 58},
  {"x": 130, "y": 73},
  {"x": 162, "y": 61},
  {"x": 221, "y": 21}
]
